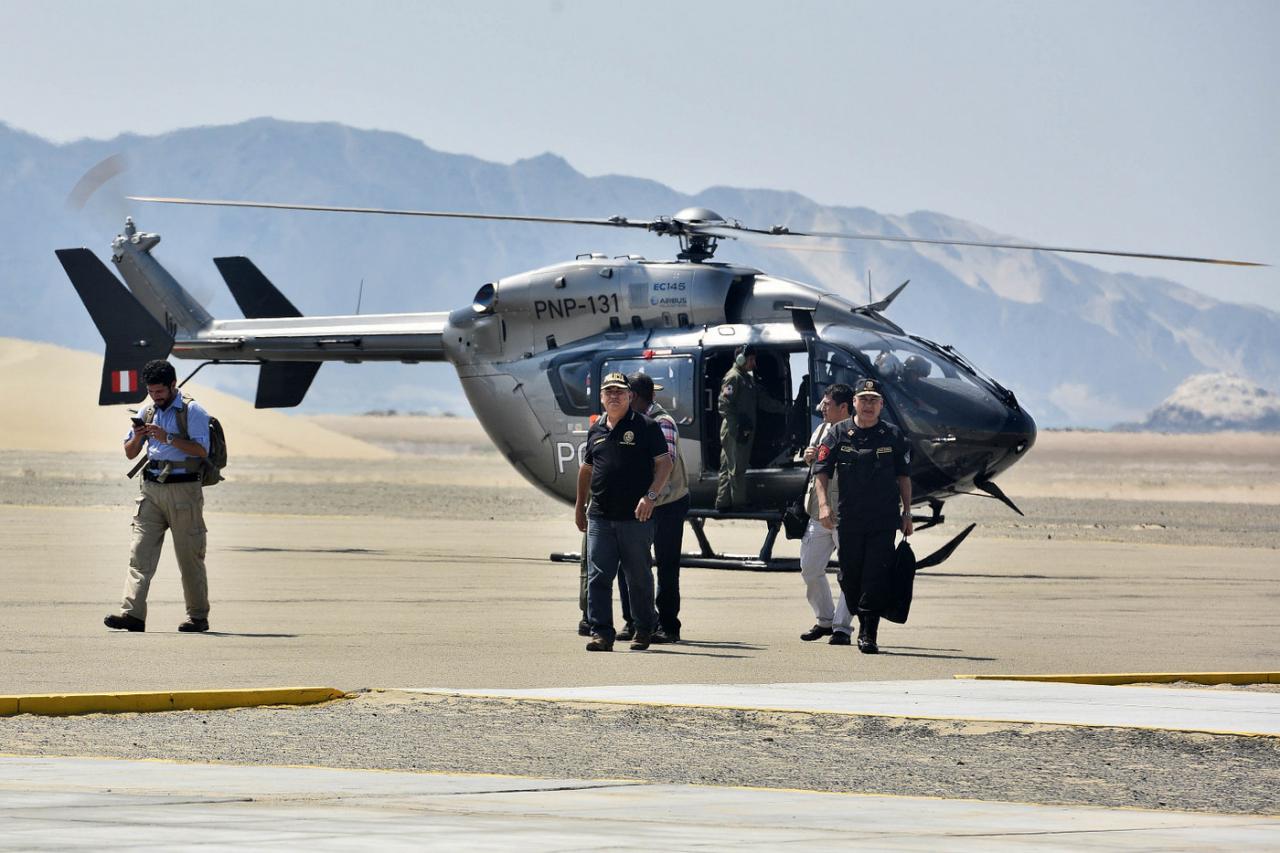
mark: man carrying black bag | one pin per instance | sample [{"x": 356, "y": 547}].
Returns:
[{"x": 872, "y": 460}]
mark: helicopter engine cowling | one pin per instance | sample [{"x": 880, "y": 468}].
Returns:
[{"x": 527, "y": 314}]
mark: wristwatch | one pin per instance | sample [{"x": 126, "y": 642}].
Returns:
[
  {"x": 169, "y": 437},
  {"x": 653, "y": 496}
]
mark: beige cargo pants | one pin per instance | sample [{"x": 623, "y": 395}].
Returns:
[{"x": 178, "y": 507}]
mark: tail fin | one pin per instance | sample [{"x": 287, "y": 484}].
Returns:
[
  {"x": 254, "y": 292},
  {"x": 132, "y": 335},
  {"x": 280, "y": 383},
  {"x": 155, "y": 288}
]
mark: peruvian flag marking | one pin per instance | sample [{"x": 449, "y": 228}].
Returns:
[{"x": 124, "y": 381}]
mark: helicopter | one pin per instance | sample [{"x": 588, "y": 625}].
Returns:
[{"x": 530, "y": 349}]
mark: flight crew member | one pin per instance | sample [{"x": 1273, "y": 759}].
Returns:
[
  {"x": 625, "y": 467},
  {"x": 172, "y": 499},
  {"x": 741, "y": 400},
  {"x": 668, "y": 513},
  {"x": 818, "y": 542},
  {"x": 871, "y": 459}
]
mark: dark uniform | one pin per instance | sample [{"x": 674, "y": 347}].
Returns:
[
  {"x": 622, "y": 461},
  {"x": 868, "y": 463}
]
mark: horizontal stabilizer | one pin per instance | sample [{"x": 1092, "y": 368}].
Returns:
[
  {"x": 883, "y": 304},
  {"x": 133, "y": 337},
  {"x": 282, "y": 384},
  {"x": 253, "y": 291}
]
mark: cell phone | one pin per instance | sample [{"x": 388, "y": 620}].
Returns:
[{"x": 138, "y": 422}]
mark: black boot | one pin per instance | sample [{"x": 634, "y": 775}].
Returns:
[{"x": 867, "y": 625}]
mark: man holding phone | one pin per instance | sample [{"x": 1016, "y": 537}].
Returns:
[{"x": 171, "y": 500}]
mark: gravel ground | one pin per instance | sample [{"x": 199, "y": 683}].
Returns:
[{"x": 987, "y": 761}]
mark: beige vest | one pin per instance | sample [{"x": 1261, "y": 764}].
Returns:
[
  {"x": 833, "y": 494},
  {"x": 678, "y": 483}
]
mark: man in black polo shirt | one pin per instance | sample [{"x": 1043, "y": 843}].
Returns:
[
  {"x": 872, "y": 459},
  {"x": 625, "y": 467}
]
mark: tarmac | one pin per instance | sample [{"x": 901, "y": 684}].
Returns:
[
  {"x": 49, "y": 803},
  {"x": 68, "y": 803},
  {"x": 365, "y": 599}
]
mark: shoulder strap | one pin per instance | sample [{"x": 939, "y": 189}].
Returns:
[
  {"x": 148, "y": 416},
  {"x": 181, "y": 415}
]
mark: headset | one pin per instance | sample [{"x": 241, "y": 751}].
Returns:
[{"x": 741, "y": 353}]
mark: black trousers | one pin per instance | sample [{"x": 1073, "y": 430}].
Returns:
[
  {"x": 668, "y": 542},
  {"x": 866, "y": 565}
]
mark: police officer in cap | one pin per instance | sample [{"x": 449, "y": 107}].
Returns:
[{"x": 871, "y": 459}]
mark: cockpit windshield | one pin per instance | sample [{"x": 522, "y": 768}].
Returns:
[{"x": 929, "y": 393}]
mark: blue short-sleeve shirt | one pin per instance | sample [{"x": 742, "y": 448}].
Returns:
[{"x": 167, "y": 418}]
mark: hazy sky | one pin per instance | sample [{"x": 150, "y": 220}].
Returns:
[{"x": 1148, "y": 126}]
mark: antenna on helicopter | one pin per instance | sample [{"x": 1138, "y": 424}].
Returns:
[
  {"x": 870, "y": 298},
  {"x": 359, "y": 296}
]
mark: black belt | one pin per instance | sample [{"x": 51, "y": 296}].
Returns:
[{"x": 172, "y": 478}]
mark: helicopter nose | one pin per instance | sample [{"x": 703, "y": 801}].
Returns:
[{"x": 1019, "y": 431}]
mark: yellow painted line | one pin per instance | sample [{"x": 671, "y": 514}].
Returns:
[
  {"x": 63, "y": 704},
  {"x": 1142, "y": 677}
]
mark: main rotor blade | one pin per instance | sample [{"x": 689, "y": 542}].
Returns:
[
  {"x": 614, "y": 221},
  {"x": 733, "y": 231}
]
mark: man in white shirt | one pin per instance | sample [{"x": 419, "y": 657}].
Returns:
[{"x": 818, "y": 543}]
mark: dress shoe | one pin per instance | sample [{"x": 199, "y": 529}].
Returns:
[
  {"x": 839, "y": 638},
  {"x": 641, "y": 641},
  {"x": 662, "y": 636},
  {"x": 124, "y": 622},
  {"x": 814, "y": 633},
  {"x": 584, "y": 628},
  {"x": 627, "y": 633},
  {"x": 194, "y": 626},
  {"x": 599, "y": 644}
]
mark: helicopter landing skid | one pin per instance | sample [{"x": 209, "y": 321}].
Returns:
[{"x": 707, "y": 558}]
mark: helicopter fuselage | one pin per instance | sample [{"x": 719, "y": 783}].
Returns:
[{"x": 530, "y": 350}]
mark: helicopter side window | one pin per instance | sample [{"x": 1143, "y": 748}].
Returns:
[
  {"x": 572, "y": 386},
  {"x": 675, "y": 375}
]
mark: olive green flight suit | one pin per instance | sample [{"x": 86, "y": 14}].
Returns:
[{"x": 740, "y": 402}]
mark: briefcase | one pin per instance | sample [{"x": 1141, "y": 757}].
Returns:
[{"x": 902, "y": 581}]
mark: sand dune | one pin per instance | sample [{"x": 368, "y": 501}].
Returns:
[{"x": 51, "y": 405}]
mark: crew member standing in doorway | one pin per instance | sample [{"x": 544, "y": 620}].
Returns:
[
  {"x": 741, "y": 401},
  {"x": 871, "y": 460}
]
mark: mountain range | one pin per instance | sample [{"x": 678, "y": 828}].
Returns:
[{"x": 1079, "y": 346}]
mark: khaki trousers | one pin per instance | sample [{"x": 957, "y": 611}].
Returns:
[{"x": 178, "y": 507}]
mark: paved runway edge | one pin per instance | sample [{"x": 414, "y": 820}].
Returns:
[
  {"x": 1114, "y": 678},
  {"x": 1233, "y": 713},
  {"x": 66, "y": 704}
]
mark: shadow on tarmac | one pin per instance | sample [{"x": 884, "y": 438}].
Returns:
[{"x": 943, "y": 657}]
